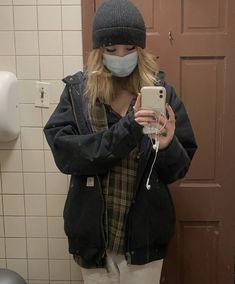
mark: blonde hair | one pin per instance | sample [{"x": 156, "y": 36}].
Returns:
[{"x": 101, "y": 85}]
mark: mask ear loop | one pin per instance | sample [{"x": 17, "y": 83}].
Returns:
[{"x": 155, "y": 147}]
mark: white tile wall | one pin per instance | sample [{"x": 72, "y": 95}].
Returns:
[
  {"x": 12, "y": 183},
  {"x": 2, "y": 233},
  {"x": 30, "y": 116},
  {"x": 50, "y": 42},
  {"x": 20, "y": 266},
  {"x": 1, "y": 209},
  {"x": 26, "y": 138},
  {"x": 7, "y": 44},
  {"x": 2, "y": 248},
  {"x": 40, "y": 40},
  {"x": 59, "y": 269},
  {"x": 37, "y": 248},
  {"x": 48, "y": 2},
  {"x": 13, "y": 145},
  {"x": 36, "y": 227},
  {"x": 56, "y": 183},
  {"x": 3, "y": 263},
  {"x": 14, "y": 226},
  {"x": 49, "y": 18},
  {"x": 38, "y": 269},
  {"x": 72, "y": 64},
  {"x": 56, "y": 88},
  {"x": 29, "y": 157},
  {"x": 23, "y": 22},
  {"x": 38, "y": 282},
  {"x": 60, "y": 282},
  {"x": 51, "y": 67},
  {"x": 27, "y": 91},
  {"x": 13, "y": 205},
  {"x": 15, "y": 247},
  {"x": 11, "y": 161},
  {"x": 75, "y": 272},
  {"x": 7, "y": 63},
  {"x": 49, "y": 162},
  {"x": 24, "y": 2},
  {"x": 34, "y": 183},
  {"x": 6, "y": 18},
  {"x": 6, "y": 2},
  {"x": 70, "y": 19},
  {"x": 56, "y": 227},
  {"x": 72, "y": 42},
  {"x": 46, "y": 113},
  {"x": 27, "y": 67},
  {"x": 58, "y": 249},
  {"x": 55, "y": 204},
  {"x": 35, "y": 205},
  {"x": 30, "y": 37},
  {"x": 67, "y": 2}
]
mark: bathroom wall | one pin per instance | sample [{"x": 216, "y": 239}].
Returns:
[{"x": 39, "y": 40}]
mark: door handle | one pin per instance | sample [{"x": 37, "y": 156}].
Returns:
[{"x": 170, "y": 36}]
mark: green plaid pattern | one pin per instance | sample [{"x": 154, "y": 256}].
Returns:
[{"x": 118, "y": 185}]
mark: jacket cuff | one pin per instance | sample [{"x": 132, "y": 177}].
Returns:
[
  {"x": 135, "y": 128},
  {"x": 172, "y": 150}
]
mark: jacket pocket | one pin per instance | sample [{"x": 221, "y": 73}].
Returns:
[
  {"x": 152, "y": 217},
  {"x": 161, "y": 214},
  {"x": 82, "y": 212}
]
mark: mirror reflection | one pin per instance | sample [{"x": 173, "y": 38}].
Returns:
[{"x": 115, "y": 125}]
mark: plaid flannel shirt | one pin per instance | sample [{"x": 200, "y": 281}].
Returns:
[{"x": 118, "y": 184}]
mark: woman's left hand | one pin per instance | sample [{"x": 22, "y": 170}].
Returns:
[{"x": 167, "y": 132}]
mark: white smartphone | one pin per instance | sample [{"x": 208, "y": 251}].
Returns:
[{"x": 153, "y": 98}]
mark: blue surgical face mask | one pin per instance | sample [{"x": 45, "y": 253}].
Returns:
[{"x": 121, "y": 66}]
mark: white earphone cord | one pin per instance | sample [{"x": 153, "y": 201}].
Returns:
[{"x": 155, "y": 147}]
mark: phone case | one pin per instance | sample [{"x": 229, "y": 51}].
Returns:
[{"x": 153, "y": 98}]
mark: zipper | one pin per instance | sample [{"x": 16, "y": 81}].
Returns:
[
  {"x": 73, "y": 108},
  {"x": 100, "y": 187},
  {"x": 148, "y": 242},
  {"x": 128, "y": 225},
  {"x": 101, "y": 220},
  {"x": 128, "y": 237},
  {"x": 128, "y": 256},
  {"x": 143, "y": 161}
]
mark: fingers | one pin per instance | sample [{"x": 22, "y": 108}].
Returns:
[
  {"x": 145, "y": 120},
  {"x": 161, "y": 119},
  {"x": 145, "y": 117},
  {"x": 170, "y": 113},
  {"x": 137, "y": 105},
  {"x": 166, "y": 128},
  {"x": 151, "y": 118},
  {"x": 143, "y": 112}
]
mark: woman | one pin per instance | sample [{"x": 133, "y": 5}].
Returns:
[{"x": 119, "y": 216}]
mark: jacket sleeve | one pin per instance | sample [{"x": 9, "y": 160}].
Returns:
[
  {"x": 89, "y": 154},
  {"x": 174, "y": 161}
]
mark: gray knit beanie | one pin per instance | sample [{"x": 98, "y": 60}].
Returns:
[{"x": 118, "y": 22}]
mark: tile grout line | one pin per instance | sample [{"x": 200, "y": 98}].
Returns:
[
  {"x": 3, "y": 219},
  {"x": 20, "y": 142},
  {"x": 44, "y": 160}
]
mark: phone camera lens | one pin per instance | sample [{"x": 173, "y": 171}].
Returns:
[
  {"x": 161, "y": 96},
  {"x": 161, "y": 91}
]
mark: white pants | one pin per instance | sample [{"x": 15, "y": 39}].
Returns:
[{"x": 119, "y": 272}]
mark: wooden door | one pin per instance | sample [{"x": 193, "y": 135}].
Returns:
[{"x": 195, "y": 42}]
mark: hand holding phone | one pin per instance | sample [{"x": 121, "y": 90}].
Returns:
[{"x": 153, "y": 98}]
